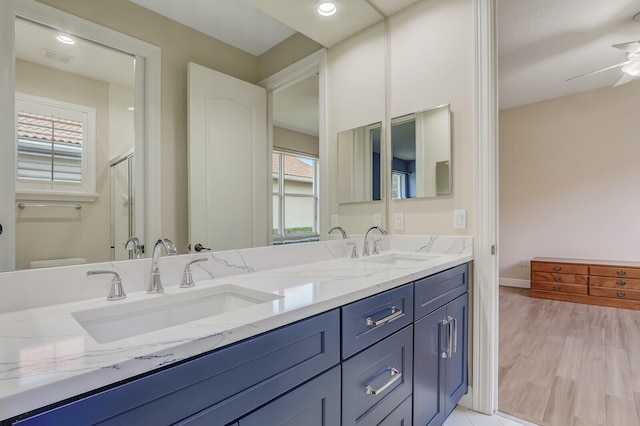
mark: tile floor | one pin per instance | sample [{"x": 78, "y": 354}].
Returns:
[{"x": 463, "y": 417}]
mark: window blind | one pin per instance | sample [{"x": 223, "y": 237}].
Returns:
[{"x": 49, "y": 148}]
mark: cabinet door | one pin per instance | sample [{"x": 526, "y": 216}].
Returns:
[
  {"x": 429, "y": 372},
  {"x": 401, "y": 416},
  {"x": 316, "y": 403},
  {"x": 457, "y": 364}
]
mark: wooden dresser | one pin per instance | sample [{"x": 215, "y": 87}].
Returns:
[{"x": 595, "y": 282}]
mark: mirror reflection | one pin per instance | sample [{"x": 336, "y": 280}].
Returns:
[
  {"x": 75, "y": 126},
  {"x": 421, "y": 154},
  {"x": 359, "y": 161}
]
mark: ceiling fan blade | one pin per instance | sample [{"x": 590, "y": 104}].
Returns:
[
  {"x": 621, "y": 64},
  {"x": 623, "y": 80},
  {"x": 630, "y": 47}
]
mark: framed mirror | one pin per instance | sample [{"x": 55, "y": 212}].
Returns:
[
  {"x": 359, "y": 164},
  {"x": 421, "y": 154}
]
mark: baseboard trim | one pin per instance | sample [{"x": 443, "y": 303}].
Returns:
[{"x": 512, "y": 282}]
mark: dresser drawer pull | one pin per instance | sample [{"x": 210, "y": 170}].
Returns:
[
  {"x": 557, "y": 287},
  {"x": 621, "y": 283},
  {"x": 395, "y": 313},
  {"x": 557, "y": 277},
  {"x": 557, "y": 268},
  {"x": 621, "y": 272},
  {"x": 395, "y": 376},
  {"x": 621, "y": 294}
]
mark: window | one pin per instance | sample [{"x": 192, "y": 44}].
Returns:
[
  {"x": 55, "y": 149},
  {"x": 398, "y": 185},
  {"x": 295, "y": 197}
]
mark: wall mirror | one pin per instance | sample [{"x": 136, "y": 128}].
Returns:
[
  {"x": 421, "y": 154},
  {"x": 359, "y": 161}
]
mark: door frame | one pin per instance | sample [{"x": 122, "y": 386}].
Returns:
[
  {"x": 147, "y": 116},
  {"x": 314, "y": 63}
]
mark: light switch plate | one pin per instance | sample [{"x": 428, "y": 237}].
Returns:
[
  {"x": 377, "y": 219},
  {"x": 460, "y": 219},
  {"x": 335, "y": 220},
  {"x": 398, "y": 221}
]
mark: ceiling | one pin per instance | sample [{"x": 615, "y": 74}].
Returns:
[{"x": 542, "y": 43}]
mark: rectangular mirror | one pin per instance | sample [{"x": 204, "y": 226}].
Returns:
[
  {"x": 359, "y": 160},
  {"x": 421, "y": 154}
]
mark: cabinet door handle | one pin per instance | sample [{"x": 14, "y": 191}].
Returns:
[
  {"x": 444, "y": 352},
  {"x": 454, "y": 338},
  {"x": 395, "y": 313},
  {"x": 557, "y": 277},
  {"x": 621, "y": 283},
  {"x": 622, "y": 272},
  {"x": 395, "y": 376},
  {"x": 621, "y": 294},
  {"x": 557, "y": 268},
  {"x": 557, "y": 287}
]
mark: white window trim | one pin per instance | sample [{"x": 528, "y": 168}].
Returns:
[{"x": 56, "y": 191}]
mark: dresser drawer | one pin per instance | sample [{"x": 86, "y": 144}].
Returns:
[
  {"x": 564, "y": 268},
  {"x": 377, "y": 380},
  {"x": 372, "y": 319},
  {"x": 559, "y": 278},
  {"x": 561, "y": 288},
  {"x": 615, "y": 271},
  {"x": 615, "y": 293},
  {"x": 619, "y": 283}
]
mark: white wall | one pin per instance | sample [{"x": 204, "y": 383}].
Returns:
[
  {"x": 431, "y": 63},
  {"x": 355, "y": 97},
  {"x": 570, "y": 179}
]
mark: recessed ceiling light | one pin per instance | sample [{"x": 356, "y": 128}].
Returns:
[
  {"x": 327, "y": 8},
  {"x": 63, "y": 38}
]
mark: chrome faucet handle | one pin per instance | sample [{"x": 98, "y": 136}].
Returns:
[
  {"x": 187, "y": 279},
  {"x": 354, "y": 250},
  {"x": 376, "y": 245},
  {"x": 133, "y": 243},
  {"x": 116, "y": 292}
]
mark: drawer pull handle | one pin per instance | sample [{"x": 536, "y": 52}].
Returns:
[
  {"x": 395, "y": 376},
  {"x": 557, "y": 268},
  {"x": 622, "y": 272},
  {"x": 621, "y": 283},
  {"x": 621, "y": 294},
  {"x": 395, "y": 313},
  {"x": 454, "y": 339},
  {"x": 557, "y": 277},
  {"x": 557, "y": 287}
]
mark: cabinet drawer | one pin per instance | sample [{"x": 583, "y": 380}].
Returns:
[
  {"x": 401, "y": 416},
  {"x": 615, "y": 293},
  {"x": 564, "y": 268},
  {"x": 619, "y": 283},
  {"x": 615, "y": 271},
  {"x": 234, "y": 380},
  {"x": 372, "y": 319},
  {"x": 559, "y": 278},
  {"x": 439, "y": 289},
  {"x": 378, "y": 379},
  {"x": 560, "y": 287}
]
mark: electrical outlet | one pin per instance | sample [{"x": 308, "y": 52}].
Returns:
[
  {"x": 522, "y": 263},
  {"x": 398, "y": 220},
  {"x": 335, "y": 220},
  {"x": 377, "y": 219},
  {"x": 460, "y": 219}
]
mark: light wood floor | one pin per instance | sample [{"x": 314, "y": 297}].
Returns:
[{"x": 566, "y": 364}]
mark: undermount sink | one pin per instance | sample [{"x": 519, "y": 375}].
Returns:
[
  {"x": 128, "y": 319},
  {"x": 399, "y": 258}
]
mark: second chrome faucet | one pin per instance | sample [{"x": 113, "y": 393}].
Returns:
[{"x": 155, "y": 284}]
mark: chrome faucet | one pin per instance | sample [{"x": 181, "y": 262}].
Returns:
[
  {"x": 116, "y": 292},
  {"x": 365, "y": 250},
  {"x": 344, "y": 234},
  {"x": 155, "y": 284},
  {"x": 133, "y": 243}
]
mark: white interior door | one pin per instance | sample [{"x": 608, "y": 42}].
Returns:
[{"x": 228, "y": 161}]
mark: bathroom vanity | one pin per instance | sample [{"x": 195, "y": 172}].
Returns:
[{"x": 342, "y": 342}]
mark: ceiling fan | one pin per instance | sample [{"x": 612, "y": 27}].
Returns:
[{"x": 630, "y": 67}]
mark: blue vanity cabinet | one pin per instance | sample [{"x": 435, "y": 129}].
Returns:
[
  {"x": 315, "y": 403},
  {"x": 217, "y": 388},
  {"x": 401, "y": 416},
  {"x": 440, "y": 339}
]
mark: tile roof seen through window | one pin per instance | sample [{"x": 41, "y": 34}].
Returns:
[{"x": 293, "y": 167}]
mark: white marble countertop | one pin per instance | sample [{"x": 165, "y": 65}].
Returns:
[{"x": 47, "y": 356}]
